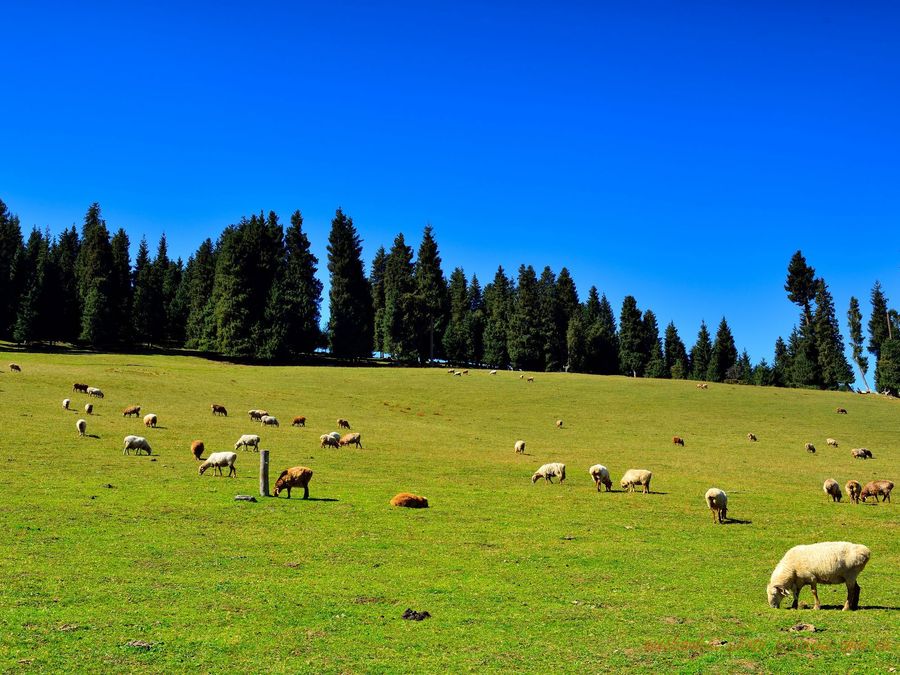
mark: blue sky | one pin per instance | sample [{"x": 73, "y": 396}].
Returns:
[{"x": 678, "y": 152}]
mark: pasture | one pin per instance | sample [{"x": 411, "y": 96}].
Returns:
[{"x": 516, "y": 576}]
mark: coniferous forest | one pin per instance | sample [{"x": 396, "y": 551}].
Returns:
[{"x": 254, "y": 293}]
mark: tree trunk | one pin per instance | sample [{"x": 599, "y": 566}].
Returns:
[{"x": 863, "y": 376}]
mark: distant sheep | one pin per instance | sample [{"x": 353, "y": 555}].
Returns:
[
  {"x": 89, "y": 408},
  {"x": 853, "y": 489},
  {"x": 548, "y": 471},
  {"x": 875, "y": 488},
  {"x": 15, "y": 367},
  {"x": 465, "y": 372},
  {"x": 299, "y": 421},
  {"x": 831, "y": 442},
  {"x": 136, "y": 443},
  {"x": 529, "y": 379},
  {"x": 600, "y": 474},
  {"x": 751, "y": 437},
  {"x": 860, "y": 453},
  {"x": 81, "y": 427},
  {"x": 217, "y": 460},
  {"x": 295, "y": 477},
  {"x": 409, "y": 500},
  {"x": 257, "y": 414},
  {"x": 150, "y": 420},
  {"x": 811, "y": 448},
  {"x": 702, "y": 385},
  {"x": 634, "y": 477},
  {"x": 95, "y": 392},
  {"x": 218, "y": 409},
  {"x": 65, "y": 403},
  {"x": 457, "y": 373},
  {"x": 832, "y": 489},
  {"x": 351, "y": 439},
  {"x": 559, "y": 424},
  {"x": 248, "y": 441},
  {"x": 132, "y": 410},
  {"x": 520, "y": 447},
  {"x": 841, "y": 411},
  {"x": 343, "y": 424},
  {"x": 678, "y": 440},
  {"x": 493, "y": 372},
  {"x": 329, "y": 441},
  {"x": 78, "y": 386},
  {"x": 268, "y": 421},
  {"x": 197, "y": 449},
  {"x": 830, "y": 562},
  {"x": 717, "y": 501}
]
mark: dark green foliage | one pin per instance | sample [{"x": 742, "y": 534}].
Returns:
[
  {"x": 603, "y": 339},
  {"x": 887, "y": 371},
  {"x": 577, "y": 343},
  {"x": 456, "y": 345},
  {"x": 93, "y": 270},
  {"x": 879, "y": 322},
  {"x": 497, "y": 310},
  {"x": 376, "y": 280},
  {"x": 400, "y": 326},
  {"x": 701, "y": 353},
  {"x": 656, "y": 362},
  {"x": 723, "y": 355},
  {"x": 120, "y": 287},
  {"x": 834, "y": 370},
  {"x": 854, "y": 325},
  {"x": 763, "y": 374},
  {"x": 475, "y": 323},
  {"x": 10, "y": 245},
  {"x": 675, "y": 354},
  {"x": 632, "y": 343},
  {"x": 781, "y": 364},
  {"x": 741, "y": 372},
  {"x": 566, "y": 306},
  {"x": 801, "y": 284},
  {"x": 67, "y": 315},
  {"x": 526, "y": 334},
  {"x": 32, "y": 269},
  {"x": 350, "y": 326},
  {"x": 432, "y": 303},
  {"x": 198, "y": 280},
  {"x": 803, "y": 359},
  {"x": 552, "y": 320},
  {"x": 176, "y": 307},
  {"x": 146, "y": 298}
]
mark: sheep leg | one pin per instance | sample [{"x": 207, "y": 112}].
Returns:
[
  {"x": 306, "y": 492},
  {"x": 796, "y": 602},
  {"x": 815, "y": 593},
  {"x": 289, "y": 491}
]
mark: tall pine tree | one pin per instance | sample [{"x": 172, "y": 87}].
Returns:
[
  {"x": 724, "y": 354},
  {"x": 833, "y": 366},
  {"x": 376, "y": 279},
  {"x": 120, "y": 287},
  {"x": 854, "y": 324},
  {"x": 675, "y": 354},
  {"x": 10, "y": 245},
  {"x": 400, "y": 307},
  {"x": 632, "y": 344},
  {"x": 455, "y": 342},
  {"x": 432, "y": 303},
  {"x": 701, "y": 353},
  {"x": 801, "y": 284},
  {"x": 497, "y": 309},
  {"x": 93, "y": 277},
  {"x": 350, "y": 327},
  {"x": 879, "y": 322},
  {"x": 526, "y": 336}
]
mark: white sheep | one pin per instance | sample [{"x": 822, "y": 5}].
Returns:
[
  {"x": 548, "y": 471},
  {"x": 257, "y": 414},
  {"x": 717, "y": 501},
  {"x": 335, "y": 435},
  {"x": 94, "y": 391},
  {"x": 520, "y": 447},
  {"x": 66, "y": 403},
  {"x": 268, "y": 420},
  {"x": 247, "y": 440},
  {"x": 634, "y": 477},
  {"x": 150, "y": 420},
  {"x": 832, "y": 442},
  {"x": 136, "y": 443},
  {"x": 217, "y": 460},
  {"x": 600, "y": 474},
  {"x": 89, "y": 408},
  {"x": 493, "y": 372},
  {"x": 832, "y": 489},
  {"x": 829, "y": 562},
  {"x": 81, "y": 426},
  {"x": 329, "y": 441}
]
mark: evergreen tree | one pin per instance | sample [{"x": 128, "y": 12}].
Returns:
[
  {"x": 526, "y": 337},
  {"x": 603, "y": 340},
  {"x": 475, "y": 323},
  {"x": 376, "y": 278},
  {"x": 165, "y": 290},
  {"x": 68, "y": 314},
  {"x": 176, "y": 306},
  {"x": 656, "y": 362},
  {"x": 350, "y": 329},
  {"x": 763, "y": 374},
  {"x": 887, "y": 371},
  {"x": 146, "y": 297},
  {"x": 879, "y": 322},
  {"x": 701, "y": 353},
  {"x": 675, "y": 354},
  {"x": 230, "y": 297},
  {"x": 854, "y": 324},
  {"x": 10, "y": 246},
  {"x": 576, "y": 343},
  {"x": 741, "y": 371},
  {"x": 833, "y": 366},
  {"x": 199, "y": 276},
  {"x": 92, "y": 272},
  {"x": 553, "y": 322},
  {"x": 497, "y": 309},
  {"x": 400, "y": 303},
  {"x": 31, "y": 269},
  {"x": 724, "y": 353},
  {"x": 567, "y": 306},
  {"x": 120, "y": 287},
  {"x": 803, "y": 358},
  {"x": 455, "y": 342},
  {"x": 781, "y": 365},
  {"x": 801, "y": 284},
  {"x": 432, "y": 303},
  {"x": 632, "y": 344}
]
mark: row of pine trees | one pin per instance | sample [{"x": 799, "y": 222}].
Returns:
[{"x": 254, "y": 293}]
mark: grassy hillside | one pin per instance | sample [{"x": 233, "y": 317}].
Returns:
[{"x": 516, "y": 576}]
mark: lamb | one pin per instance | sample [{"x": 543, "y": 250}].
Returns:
[
  {"x": 350, "y": 439},
  {"x": 343, "y": 424},
  {"x": 811, "y": 448},
  {"x": 678, "y": 440},
  {"x": 717, "y": 501},
  {"x": 409, "y": 500},
  {"x": 299, "y": 421},
  {"x": 875, "y": 488},
  {"x": 78, "y": 386},
  {"x": 136, "y": 443},
  {"x": 832, "y": 489},
  {"x": 751, "y": 437},
  {"x": 150, "y": 420},
  {"x": 89, "y": 408},
  {"x": 559, "y": 424},
  {"x": 329, "y": 441},
  {"x": 831, "y": 442},
  {"x": 246, "y": 441},
  {"x": 132, "y": 410},
  {"x": 218, "y": 409},
  {"x": 634, "y": 477},
  {"x": 65, "y": 403},
  {"x": 197, "y": 449},
  {"x": 841, "y": 411},
  {"x": 548, "y": 471},
  {"x": 95, "y": 392},
  {"x": 268, "y": 421},
  {"x": 600, "y": 474},
  {"x": 295, "y": 477},
  {"x": 853, "y": 489},
  {"x": 520, "y": 447},
  {"x": 257, "y": 414},
  {"x": 829, "y": 562},
  {"x": 15, "y": 367},
  {"x": 217, "y": 460},
  {"x": 81, "y": 426}
]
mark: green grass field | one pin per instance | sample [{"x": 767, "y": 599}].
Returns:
[{"x": 517, "y": 577}]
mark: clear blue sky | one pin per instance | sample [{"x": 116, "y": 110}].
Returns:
[{"x": 679, "y": 152}]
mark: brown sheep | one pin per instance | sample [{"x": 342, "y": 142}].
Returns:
[
  {"x": 853, "y": 489},
  {"x": 409, "y": 500},
  {"x": 197, "y": 449},
  {"x": 811, "y": 448},
  {"x": 529, "y": 379},
  {"x": 295, "y": 477},
  {"x": 350, "y": 439},
  {"x": 132, "y": 410},
  {"x": 751, "y": 437},
  {"x": 343, "y": 424},
  {"x": 15, "y": 367},
  {"x": 678, "y": 440},
  {"x": 875, "y": 488},
  {"x": 218, "y": 409},
  {"x": 78, "y": 386},
  {"x": 841, "y": 411},
  {"x": 299, "y": 421},
  {"x": 832, "y": 489},
  {"x": 465, "y": 372}
]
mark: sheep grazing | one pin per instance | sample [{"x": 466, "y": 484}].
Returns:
[
  {"x": 15, "y": 367},
  {"x": 465, "y": 372},
  {"x": 197, "y": 449},
  {"x": 409, "y": 500},
  {"x": 600, "y": 474},
  {"x": 493, "y": 372},
  {"x": 634, "y": 477},
  {"x": 89, "y": 408},
  {"x": 295, "y": 477},
  {"x": 853, "y": 489},
  {"x": 559, "y": 424},
  {"x": 811, "y": 448},
  {"x": 218, "y": 409},
  {"x": 875, "y": 488},
  {"x": 751, "y": 437},
  {"x": 81, "y": 427},
  {"x": 257, "y": 414},
  {"x": 217, "y": 460},
  {"x": 841, "y": 411},
  {"x": 78, "y": 386},
  {"x": 548, "y": 471},
  {"x": 830, "y": 562},
  {"x": 247, "y": 441},
  {"x": 132, "y": 410},
  {"x": 150, "y": 420},
  {"x": 832, "y": 489},
  {"x": 717, "y": 501},
  {"x": 343, "y": 424},
  {"x": 457, "y": 373},
  {"x": 350, "y": 439},
  {"x": 95, "y": 392},
  {"x": 861, "y": 453},
  {"x": 451, "y": 371},
  {"x": 329, "y": 441},
  {"x": 268, "y": 421},
  {"x": 136, "y": 443},
  {"x": 65, "y": 403},
  {"x": 831, "y": 442},
  {"x": 529, "y": 379},
  {"x": 702, "y": 385},
  {"x": 678, "y": 440},
  {"x": 299, "y": 421},
  {"x": 521, "y": 377},
  {"x": 520, "y": 447}
]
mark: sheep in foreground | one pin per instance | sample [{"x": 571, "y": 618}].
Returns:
[
  {"x": 217, "y": 460},
  {"x": 295, "y": 477},
  {"x": 829, "y": 562},
  {"x": 150, "y": 420},
  {"x": 218, "y": 409},
  {"x": 329, "y": 441},
  {"x": 832, "y": 489},
  {"x": 298, "y": 421},
  {"x": 197, "y": 449},
  {"x": 559, "y": 424},
  {"x": 15, "y": 367},
  {"x": 600, "y": 474},
  {"x": 343, "y": 424},
  {"x": 81, "y": 427},
  {"x": 811, "y": 448},
  {"x": 89, "y": 408},
  {"x": 268, "y": 421},
  {"x": 247, "y": 441},
  {"x": 853, "y": 489},
  {"x": 65, "y": 403},
  {"x": 95, "y": 392},
  {"x": 717, "y": 501},
  {"x": 831, "y": 442},
  {"x": 132, "y": 410},
  {"x": 350, "y": 439},
  {"x": 136, "y": 443},
  {"x": 520, "y": 447},
  {"x": 875, "y": 488},
  {"x": 548, "y": 471},
  {"x": 751, "y": 437},
  {"x": 409, "y": 500},
  {"x": 634, "y": 477},
  {"x": 678, "y": 440}
]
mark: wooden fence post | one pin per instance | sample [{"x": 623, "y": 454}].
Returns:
[{"x": 264, "y": 473}]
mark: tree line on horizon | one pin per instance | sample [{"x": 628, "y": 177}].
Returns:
[{"x": 254, "y": 293}]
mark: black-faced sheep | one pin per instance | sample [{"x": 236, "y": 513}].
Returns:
[
  {"x": 351, "y": 439},
  {"x": 268, "y": 421},
  {"x": 751, "y": 437},
  {"x": 717, "y": 501},
  {"x": 548, "y": 471},
  {"x": 832, "y": 489},
  {"x": 15, "y": 368},
  {"x": 600, "y": 474},
  {"x": 217, "y": 460},
  {"x": 295, "y": 477},
  {"x": 65, "y": 403},
  {"x": 95, "y": 392},
  {"x": 559, "y": 424},
  {"x": 89, "y": 408},
  {"x": 634, "y": 477},
  {"x": 136, "y": 443},
  {"x": 81, "y": 427},
  {"x": 248, "y": 441},
  {"x": 257, "y": 414},
  {"x": 811, "y": 448},
  {"x": 853, "y": 489},
  {"x": 678, "y": 440},
  {"x": 830, "y": 562},
  {"x": 875, "y": 488},
  {"x": 409, "y": 500},
  {"x": 132, "y": 410},
  {"x": 861, "y": 453},
  {"x": 329, "y": 441}
]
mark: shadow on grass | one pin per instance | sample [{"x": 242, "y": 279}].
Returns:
[
  {"x": 310, "y": 499},
  {"x": 737, "y": 521},
  {"x": 860, "y": 608},
  {"x": 92, "y": 436}
]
